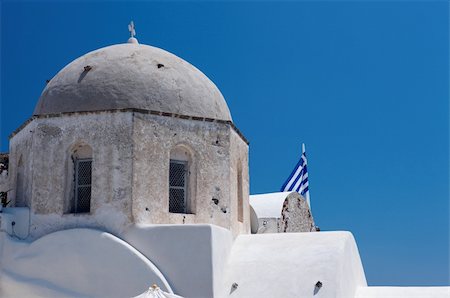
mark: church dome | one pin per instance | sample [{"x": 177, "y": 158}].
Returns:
[{"x": 132, "y": 76}]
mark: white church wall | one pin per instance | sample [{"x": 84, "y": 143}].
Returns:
[
  {"x": 300, "y": 261},
  {"x": 222, "y": 243},
  {"x": 15, "y": 221},
  {"x": 351, "y": 272},
  {"x": 269, "y": 225},
  {"x": 75, "y": 263},
  {"x": 191, "y": 257},
  {"x": 20, "y": 166}
]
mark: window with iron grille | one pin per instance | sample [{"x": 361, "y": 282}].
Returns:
[
  {"x": 178, "y": 186},
  {"x": 83, "y": 181}
]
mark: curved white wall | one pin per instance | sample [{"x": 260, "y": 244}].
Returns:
[{"x": 75, "y": 263}]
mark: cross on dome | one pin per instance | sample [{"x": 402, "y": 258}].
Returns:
[
  {"x": 132, "y": 39},
  {"x": 131, "y": 29}
]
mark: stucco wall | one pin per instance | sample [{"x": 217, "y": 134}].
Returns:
[
  {"x": 300, "y": 261},
  {"x": 75, "y": 263},
  {"x": 46, "y": 146},
  {"x": 214, "y": 149},
  {"x": 131, "y": 152},
  {"x": 191, "y": 257},
  {"x": 20, "y": 165},
  {"x": 239, "y": 159},
  {"x": 269, "y": 225}
]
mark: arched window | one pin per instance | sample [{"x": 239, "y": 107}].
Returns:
[
  {"x": 82, "y": 184},
  {"x": 240, "y": 200},
  {"x": 181, "y": 181},
  {"x": 20, "y": 185}
]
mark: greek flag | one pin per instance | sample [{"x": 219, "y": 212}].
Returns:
[{"x": 298, "y": 180}]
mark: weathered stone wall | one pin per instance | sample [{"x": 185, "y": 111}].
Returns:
[
  {"x": 214, "y": 156},
  {"x": 44, "y": 149},
  {"x": 282, "y": 212},
  {"x": 20, "y": 166},
  {"x": 131, "y": 152},
  {"x": 239, "y": 158},
  {"x": 295, "y": 215}
]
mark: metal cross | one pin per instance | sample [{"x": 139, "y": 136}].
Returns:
[{"x": 131, "y": 29}]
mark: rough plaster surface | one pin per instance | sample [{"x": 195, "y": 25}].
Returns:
[
  {"x": 191, "y": 257},
  {"x": 132, "y": 76},
  {"x": 403, "y": 292},
  {"x": 290, "y": 264},
  {"x": 44, "y": 149},
  {"x": 75, "y": 263},
  {"x": 296, "y": 215},
  {"x": 215, "y": 149},
  {"x": 239, "y": 158},
  {"x": 269, "y": 225},
  {"x": 282, "y": 212},
  {"x": 20, "y": 165},
  {"x": 131, "y": 153}
]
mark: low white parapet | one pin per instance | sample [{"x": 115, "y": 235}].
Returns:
[
  {"x": 324, "y": 264},
  {"x": 403, "y": 292},
  {"x": 15, "y": 221},
  {"x": 192, "y": 257}
]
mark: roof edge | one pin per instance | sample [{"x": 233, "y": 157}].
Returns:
[{"x": 134, "y": 110}]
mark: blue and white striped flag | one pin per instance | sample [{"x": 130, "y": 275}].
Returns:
[{"x": 298, "y": 180}]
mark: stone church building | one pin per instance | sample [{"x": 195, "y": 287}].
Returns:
[
  {"x": 134, "y": 131},
  {"x": 131, "y": 172}
]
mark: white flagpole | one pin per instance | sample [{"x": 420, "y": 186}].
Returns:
[
  {"x": 307, "y": 197},
  {"x": 308, "y": 200}
]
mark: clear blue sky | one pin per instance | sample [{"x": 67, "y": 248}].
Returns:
[{"x": 364, "y": 84}]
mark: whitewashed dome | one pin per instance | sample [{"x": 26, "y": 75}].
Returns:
[{"x": 132, "y": 76}]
